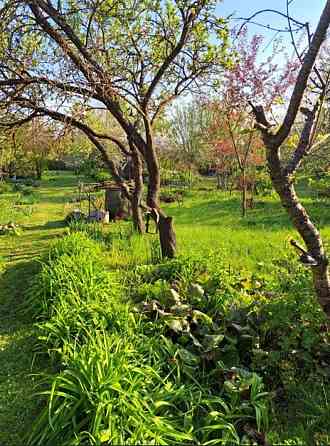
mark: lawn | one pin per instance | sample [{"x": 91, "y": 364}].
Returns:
[{"x": 206, "y": 221}]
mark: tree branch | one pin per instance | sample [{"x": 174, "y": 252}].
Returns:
[
  {"x": 304, "y": 145},
  {"x": 303, "y": 76}
]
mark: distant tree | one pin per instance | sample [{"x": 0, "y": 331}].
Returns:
[
  {"x": 237, "y": 147},
  {"x": 39, "y": 144},
  {"x": 251, "y": 78},
  {"x": 187, "y": 127},
  {"x": 26, "y": 149}
]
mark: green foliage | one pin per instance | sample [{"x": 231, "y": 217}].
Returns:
[
  {"x": 27, "y": 197},
  {"x": 125, "y": 378},
  {"x": 265, "y": 324},
  {"x": 2, "y": 264},
  {"x": 101, "y": 176},
  {"x": 263, "y": 184},
  {"x": 5, "y": 188},
  {"x": 321, "y": 184},
  {"x": 241, "y": 317}
]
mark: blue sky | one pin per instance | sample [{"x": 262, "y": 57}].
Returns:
[{"x": 302, "y": 10}]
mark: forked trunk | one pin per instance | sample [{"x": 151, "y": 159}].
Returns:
[{"x": 303, "y": 224}]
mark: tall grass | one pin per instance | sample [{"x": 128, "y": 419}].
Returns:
[
  {"x": 122, "y": 379},
  {"x": 124, "y": 247}
]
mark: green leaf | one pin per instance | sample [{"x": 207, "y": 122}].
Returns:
[{"x": 210, "y": 342}]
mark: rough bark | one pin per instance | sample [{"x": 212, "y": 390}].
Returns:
[
  {"x": 299, "y": 217},
  {"x": 282, "y": 176},
  {"x": 167, "y": 236},
  {"x": 137, "y": 214}
]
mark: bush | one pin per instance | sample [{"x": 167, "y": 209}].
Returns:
[
  {"x": 268, "y": 324},
  {"x": 5, "y": 188},
  {"x": 172, "y": 196},
  {"x": 100, "y": 176},
  {"x": 27, "y": 198},
  {"x": 263, "y": 184}
]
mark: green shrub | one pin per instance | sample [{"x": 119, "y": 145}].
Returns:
[
  {"x": 27, "y": 200},
  {"x": 2, "y": 264},
  {"x": 270, "y": 324},
  {"x": 5, "y": 188},
  {"x": 100, "y": 176},
  {"x": 94, "y": 230},
  {"x": 72, "y": 295}
]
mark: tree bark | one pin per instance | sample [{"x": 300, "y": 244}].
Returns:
[
  {"x": 243, "y": 194},
  {"x": 137, "y": 215},
  {"x": 167, "y": 236},
  {"x": 164, "y": 223},
  {"x": 219, "y": 181},
  {"x": 299, "y": 217},
  {"x": 39, "y": 169}
]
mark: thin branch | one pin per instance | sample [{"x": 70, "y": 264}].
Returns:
[
  {"x": 303, "y": 76},
  {"x": 304, "y": 145}
]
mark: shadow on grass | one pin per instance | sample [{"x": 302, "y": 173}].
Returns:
[
  {"x": 17, "y": 341},
  {"x": 50, "y": 198},
  {"x": 14, "y": 282},
  {"x": 56, "y": 224},
  {"x": 267, "y": 213}
]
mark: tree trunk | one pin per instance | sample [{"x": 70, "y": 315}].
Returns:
[
  {"x": 39, "y": 169},
  {"x": 137, "y": 215},
  {"x": 244, "y": 194},
  {"x": 301, "y": 221},
  {"x": 167, "y": 236},
  {"x": 218, "y": 181}
]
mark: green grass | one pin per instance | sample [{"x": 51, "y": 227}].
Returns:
[
  {"x": 212, "y": 220},
  {"x": 207, "y": 220},
  {"x": 17, "y": 409},
  {"x": 40, "y": 223}
]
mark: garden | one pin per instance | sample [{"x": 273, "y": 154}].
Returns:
[{"x": 164, "y": 204}]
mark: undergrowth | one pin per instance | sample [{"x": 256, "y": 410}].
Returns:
[{"x": 181, "y": 351}]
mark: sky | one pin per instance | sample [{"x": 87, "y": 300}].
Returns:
[{"x": 302, "y": 10}]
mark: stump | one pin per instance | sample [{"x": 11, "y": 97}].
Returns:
[{"x": 116, "y": 204}]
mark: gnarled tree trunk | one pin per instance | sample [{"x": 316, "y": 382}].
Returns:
[{"x": 298, "y": 215}]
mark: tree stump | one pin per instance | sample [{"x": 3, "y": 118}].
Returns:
[{"x": 116, "y": 204}]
